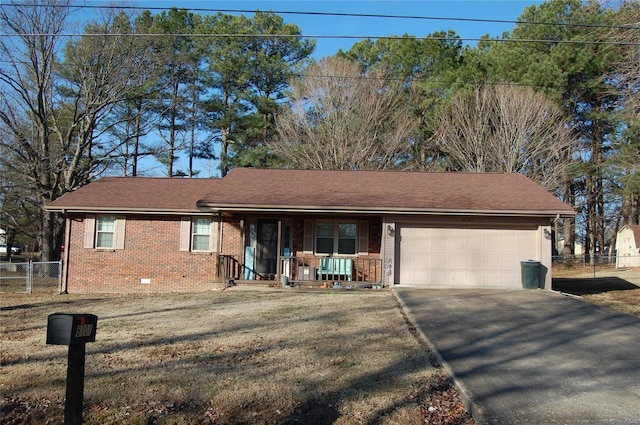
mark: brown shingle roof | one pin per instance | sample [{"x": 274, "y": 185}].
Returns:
[
  {"x": 136, "y": 194},
  {"x": 313, "y": 190},
  {"x": 636, "y": 233},
  {"x": 381, "y": 191}
]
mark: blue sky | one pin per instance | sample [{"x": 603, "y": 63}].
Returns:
[
  {"x": 368, "y": 26},
  {"x": 356, "y": 26}
]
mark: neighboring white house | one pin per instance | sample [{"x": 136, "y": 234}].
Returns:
[
  {"x": 628, "y": 246},
  {"x": 2, "y": 236}
]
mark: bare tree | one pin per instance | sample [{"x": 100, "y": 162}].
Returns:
[
  {"x": 625, "y": 32},
  {"x": 54, "y": 112},
  {"x": 623, "y": 164},
  {"x": 507, "y": 129},
  {"x": 342, "y": 119}
]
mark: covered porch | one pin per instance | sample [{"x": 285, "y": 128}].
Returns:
[
  {"x": 303, "y": 250},
  {"x": 307, "y": 271}
]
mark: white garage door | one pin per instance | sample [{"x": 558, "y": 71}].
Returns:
[{"x": 437, "y": 257}]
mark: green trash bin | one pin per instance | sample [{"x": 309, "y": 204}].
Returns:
[{"x": 530, "y": 274}]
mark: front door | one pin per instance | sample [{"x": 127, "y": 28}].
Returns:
[{"x": 267, "y": 247}]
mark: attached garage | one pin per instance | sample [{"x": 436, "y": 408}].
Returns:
[{"x": 463, "y": 256}]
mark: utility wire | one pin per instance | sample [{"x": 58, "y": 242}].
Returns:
[
  {"x": 346, "y": 37},
  {"x": 455, "y": 38},
  {"x": 349, "y": 15},
  {"x": 322, "y": 36}
]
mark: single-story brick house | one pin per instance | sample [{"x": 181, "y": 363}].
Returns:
[
  {"x": 306, "y": 227},
  {"x": 628, "y": 246}
]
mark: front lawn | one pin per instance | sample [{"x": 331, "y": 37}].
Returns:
[{"x": 235, "y": 356}]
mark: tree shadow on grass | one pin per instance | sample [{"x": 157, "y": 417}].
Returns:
[{"x": 589, "y": 286}]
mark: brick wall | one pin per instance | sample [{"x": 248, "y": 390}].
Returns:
[
  {"x": 151, "y": 261},
  {"x": 232, "y": 238}
]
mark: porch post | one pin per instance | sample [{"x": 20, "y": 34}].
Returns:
[
  {"x": 389, "y": 246},
  {"x": 279, "y": 256}
]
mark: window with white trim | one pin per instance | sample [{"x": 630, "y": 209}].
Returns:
[
  {"x": 333, "y": 237},
  {"x": 201, "y": 234},
  {"x": 105, "y": 231}
]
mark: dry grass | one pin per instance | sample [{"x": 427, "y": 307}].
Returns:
[
  {"x": 256, "y": 357},
  {"x": 616, "y": 289}
]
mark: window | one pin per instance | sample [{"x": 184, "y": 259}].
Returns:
[
  {"x": 347, "y": 238},
  {"x": 105, "y": 231},
  {"x": 324, "y": 238},
  {"x": 201, "y": 234},
  {"x": 336, "y": 238},
  {"x": 198, "y": 234}
]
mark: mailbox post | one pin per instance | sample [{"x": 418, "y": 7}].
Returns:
[{"x": 74, "y": 330}]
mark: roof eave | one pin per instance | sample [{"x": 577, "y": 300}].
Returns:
[
  {"x": 127, "y": 210},
  {"x": 228, "y": 208}
]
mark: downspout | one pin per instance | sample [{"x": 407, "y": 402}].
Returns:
[
  {"x": 220, "y": 227},
  {"x": 65, "y": 261},
  {"x": 555, "y": 239},
  {"x": 218, "y": 265},
  {"x": 279, "y": 250}
]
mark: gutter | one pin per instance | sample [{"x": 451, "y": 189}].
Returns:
[
  {"x": 64, "y": 289},
  {"x": 124, "y": 210},
  {"x": 388, "y": 210},
  {"x": 205, "y": 209}
]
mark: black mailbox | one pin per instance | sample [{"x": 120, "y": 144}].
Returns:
[{"x": 71, "y": 329}]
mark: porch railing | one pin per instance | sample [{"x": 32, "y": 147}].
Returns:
[{"x": 307, "y": 270}]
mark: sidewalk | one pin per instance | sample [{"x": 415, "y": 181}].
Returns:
[{"x": 533, "y": 357}]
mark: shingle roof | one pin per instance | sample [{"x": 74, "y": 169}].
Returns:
[
  {"x": 314, "y": 190},
  {"x": 136, "y": 194},
  {"x": 382, "y": 191},
  {"x": 636, "y": 232}
]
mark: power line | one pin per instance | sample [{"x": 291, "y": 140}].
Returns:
[
  {"x": 349, "y": 15},
  {"x": 427, "y": 18},
  {"x": 324, "y": 36},
  {"x": 344, "y": 36}
]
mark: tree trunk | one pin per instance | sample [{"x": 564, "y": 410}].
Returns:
[
  {"x": 136, "y": 139},
  {"x": 47, "y": 234},
  {"x": 599, "y": 192},
  {"x": 224, "y": 150},
  {"x": 634, "y": 209},
  {"x": 590, "y": 240},
  {"x": 569, "y": 224},
  {"x": 192, "y": 141},
  {"x": 172, "y": 130}
]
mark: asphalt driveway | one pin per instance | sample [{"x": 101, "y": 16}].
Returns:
[{"x": 531, "y": 356}]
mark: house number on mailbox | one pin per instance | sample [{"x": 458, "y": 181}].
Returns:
[{"x": 84, "y": 330}]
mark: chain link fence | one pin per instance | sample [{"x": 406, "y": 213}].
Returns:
[
  {"x": 32, "y": 276},
  {"x": 596, "y": 265},
  {"x": 584, "y": 260},
  {"x": 599, "y": 260}
]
